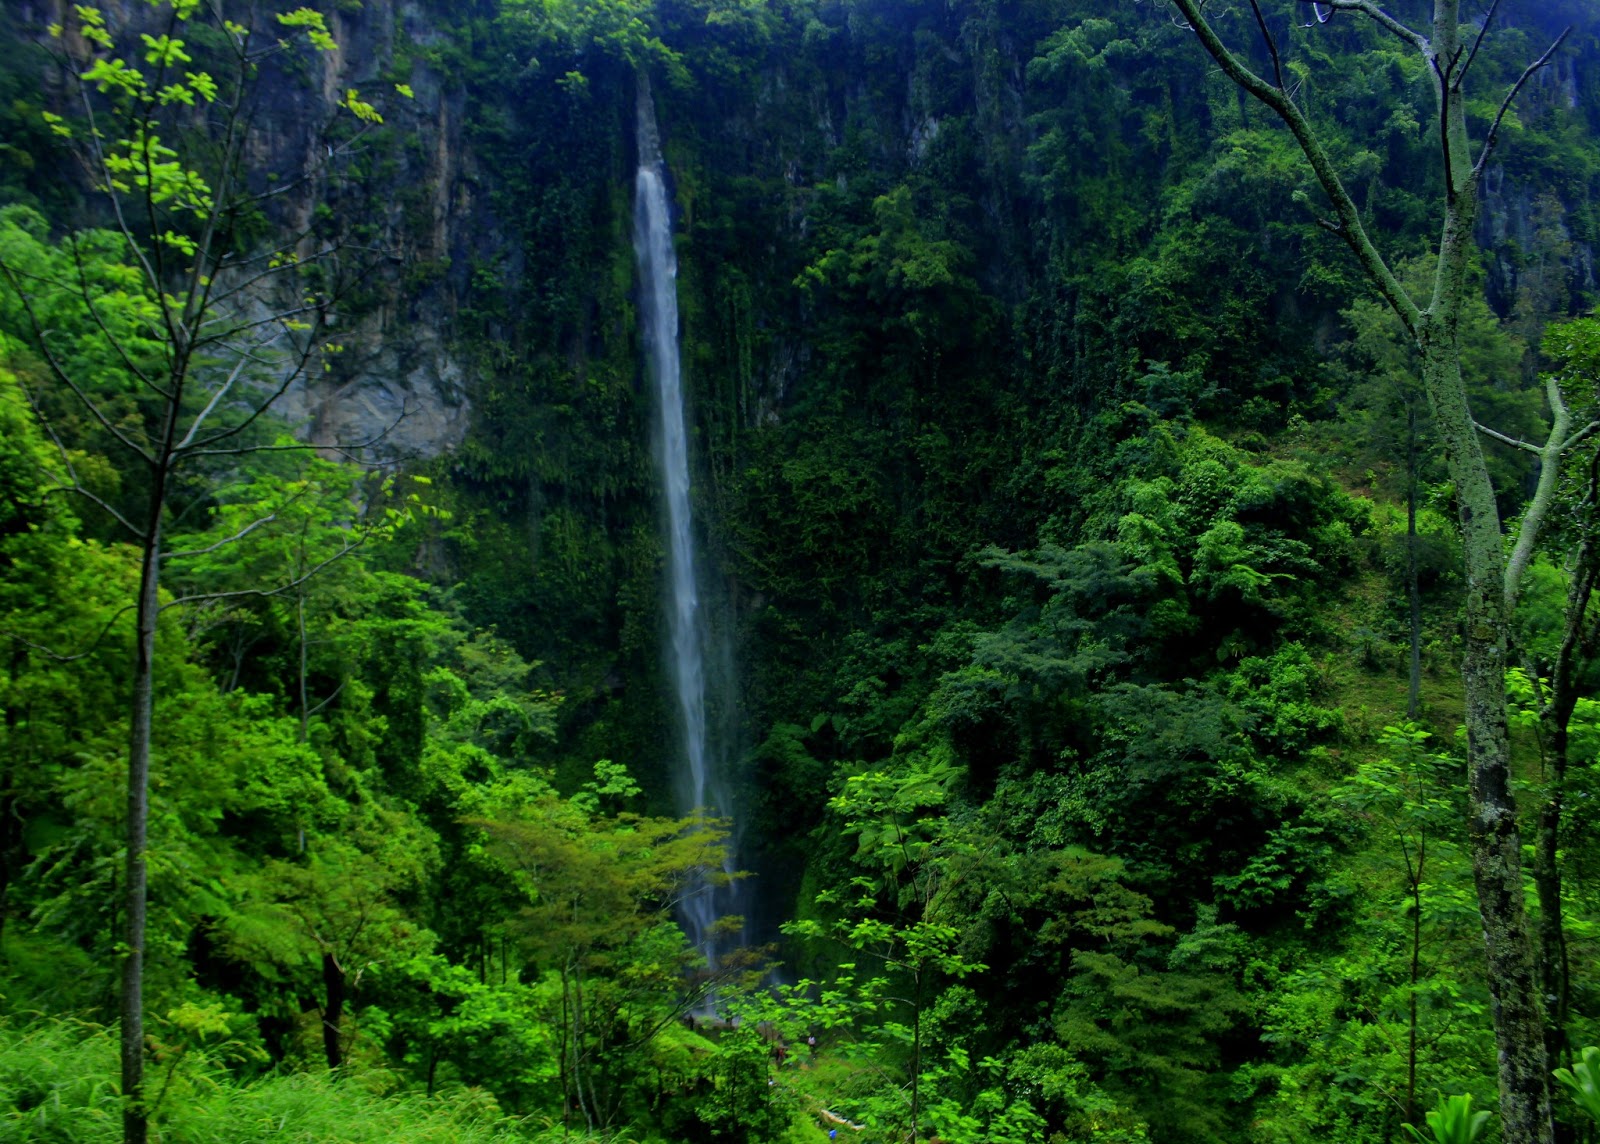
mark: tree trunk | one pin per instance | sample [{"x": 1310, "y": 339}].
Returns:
[
  {"x": 1412, "y": 1039},
  {"x": 567, "y": 1064},
  {"x": 10, "y": 766},
  {"x": 1413, "y": 592},
  {"x": 300, "y": 625},
  {"x": 1435, "y": 326},
  {"x": 135, "y": 1123},
  {"x": 916, "y": 1052},
  {"x": 1555, "y": 718},
  {"x": 1495, "y": 841},
  {"x": 1547, "y": 880},
  {"x": 579, "y": 1052},
  {"x": 333, "y": 1011}
]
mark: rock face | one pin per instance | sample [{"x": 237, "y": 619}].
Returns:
[
  {"x": 406, "y": 192},
  {"x": 399, "y": 380},
  {"x": 404, "y": 396}
]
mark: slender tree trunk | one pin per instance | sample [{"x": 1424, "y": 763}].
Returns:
[
  {"x": 333, "y": 1011},
  {"x": 1547, "y": 881},
  {"x": 1413, "y": 591},
  {"x": 300, "y": 625},
  {"x": 1555, "y": 719},
  {"x": 1416, "y": 975},
  {"x": 564, "y": 1036},
  {"x": 1551, "y": 930},
  {"x": 916, "y": 1052},
  {"x": 10, "y": 766},
  {"x": 135, "y": 1121},
  {"x": 579, "y": 1051}
]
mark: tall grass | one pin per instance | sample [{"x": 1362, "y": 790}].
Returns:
[{"x": 58, "y": 1085}]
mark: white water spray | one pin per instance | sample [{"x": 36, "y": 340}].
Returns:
[{"x": 658, "y": 272}]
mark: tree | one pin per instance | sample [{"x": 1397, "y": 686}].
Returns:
[
  {"x": 334, "y": 914},
  {"x": 1405, "y": 800},
  {"x": 1392, "y": 426},
  {"x": 600, "y": 890},
  {"x": 202, "y": 325},
  {"x": 1432, "y": 319}
]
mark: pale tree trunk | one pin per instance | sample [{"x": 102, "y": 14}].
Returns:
[
  {"x": 916, "y": 1052},
  {"x": 1495, "y": 840}
]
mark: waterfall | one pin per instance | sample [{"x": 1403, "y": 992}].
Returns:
[{"x": 699, "y": 786}]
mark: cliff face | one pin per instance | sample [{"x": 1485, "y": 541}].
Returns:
[
  {"x": 407, "y": 191},
  {"x": 402, "y": 376},
  {"x": 808, "y": 107}
]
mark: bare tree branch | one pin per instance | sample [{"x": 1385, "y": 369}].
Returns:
[
  {"x": 223, "y": 297},
  {"x": 296, "y": 370},
  {"x": 1488, "y": 18},
  {"x": 326, "y": 701},
  {"x": 1505, "y": 104},
  {"x": 222, "y": 391},
  {"x": 282, "y": 318},
  {"x": 1555, "y": 447},
  {"x": 1377, "y": 15},
  {"x": 267, "y": 593},
  {"x": 1272, "y": 44},
  {"x": 87, "y": 294},
  {"x": 61, "y": 657},
  {"x": 77, "y": 489},
  {"x": 101, "y": 171},
  {"x": 348, "y": 451},
  {"x": 223, "y": 543},
  {"x": 1514, "y": 442},
  {"x": 73, "y": 484},
  {"x": 56, "y": 368}
]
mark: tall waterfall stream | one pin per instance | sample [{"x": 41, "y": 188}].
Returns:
[{"x": 699, "y": 786}]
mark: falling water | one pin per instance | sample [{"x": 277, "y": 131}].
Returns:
[{"x": 658, "y": 271}]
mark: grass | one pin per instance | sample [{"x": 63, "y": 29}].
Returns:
[{"x": 58, "y": 1084}]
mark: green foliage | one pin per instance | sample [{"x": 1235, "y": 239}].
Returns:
[
  {"x": 1406, "y": 966},
  {"x": 1582, "y": 1082},
  {"x": 594, "y": 923},
  {"x": 1453, "y": 1121}
]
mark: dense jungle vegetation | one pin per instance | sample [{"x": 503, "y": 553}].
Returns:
[{"x": 1081, "y": 520}]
